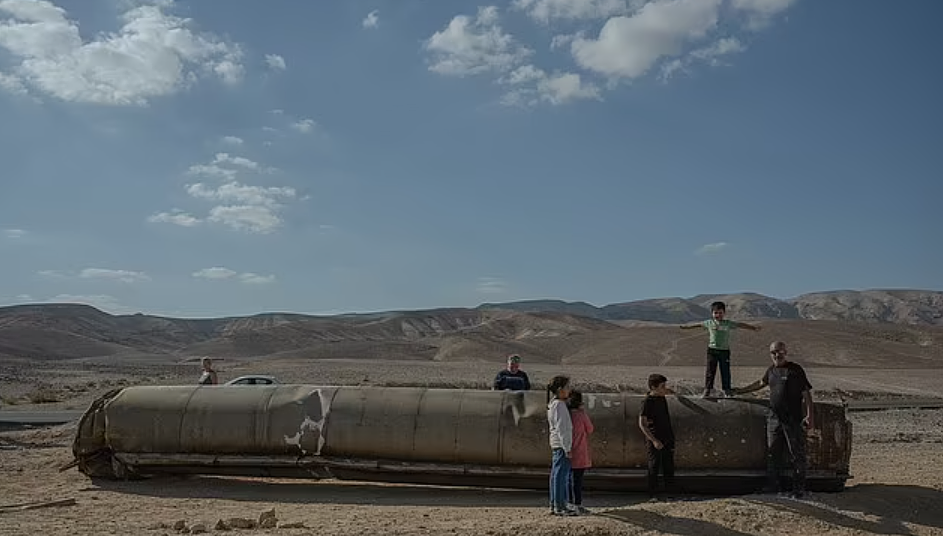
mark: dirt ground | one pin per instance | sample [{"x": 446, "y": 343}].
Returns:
[
  {"x": 897, "y": 489},
  {"x": 71, "y": 385}
]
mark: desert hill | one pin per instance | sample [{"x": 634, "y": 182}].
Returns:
[{"x": 900, "y": 329}]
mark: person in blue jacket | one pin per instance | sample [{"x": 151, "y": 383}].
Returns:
[{"x": 512, "y": 378}]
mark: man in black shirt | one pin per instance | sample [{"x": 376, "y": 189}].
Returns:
[
  {"x": 655, "y": 423},
  {"x": 788, "y": 389},
  {"x": 512, "y": 378}
]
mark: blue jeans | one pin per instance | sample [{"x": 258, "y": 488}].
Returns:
[{"x": 559, "y": 479}]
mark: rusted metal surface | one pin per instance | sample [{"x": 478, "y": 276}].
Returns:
[{"x": 441, "y": 436}]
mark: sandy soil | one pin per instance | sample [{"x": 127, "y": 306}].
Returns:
[{"x": 897, "y": 489}]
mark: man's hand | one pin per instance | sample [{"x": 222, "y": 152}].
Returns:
[
  {"x": 658, "y": 444},
  {"x": 567, "y": 453}
]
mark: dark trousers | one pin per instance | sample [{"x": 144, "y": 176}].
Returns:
[
  {"x": 660, "y": 460},
  {"x": 785, "y": 437},
  {"x": 576, "y": 486},
  {"x": 717, "y": 358}
]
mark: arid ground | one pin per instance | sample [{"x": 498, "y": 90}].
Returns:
[{"x": 897, "y": 466}]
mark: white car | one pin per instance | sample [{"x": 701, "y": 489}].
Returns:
[{"x": 253, "y": 380}]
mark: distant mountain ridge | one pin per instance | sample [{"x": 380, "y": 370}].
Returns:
[
  {"x": 841, "y": 327},
  {"x": 912, "y": 307}
]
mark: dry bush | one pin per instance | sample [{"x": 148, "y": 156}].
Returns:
[{"x": 42, "y": 395}]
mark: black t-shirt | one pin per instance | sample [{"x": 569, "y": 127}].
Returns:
[
  {"x": 786, "y": 385},
  {"x": 655, "y": 408},
  {"x": 513, "y": 381}
]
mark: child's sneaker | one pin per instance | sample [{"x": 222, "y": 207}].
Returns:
[
  {"x": 583, "y": 511},
  {"x": 565, "y": 512}
]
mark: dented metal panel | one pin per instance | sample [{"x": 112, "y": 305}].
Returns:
[{"x": 429, "y": 435}]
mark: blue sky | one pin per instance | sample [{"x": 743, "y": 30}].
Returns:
[{"x": 188, "y": 159}]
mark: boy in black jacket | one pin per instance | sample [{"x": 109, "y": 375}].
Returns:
[{"x": 655, "y": 422}]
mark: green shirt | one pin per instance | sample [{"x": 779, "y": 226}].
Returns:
[{"x": 720, "y": 333}]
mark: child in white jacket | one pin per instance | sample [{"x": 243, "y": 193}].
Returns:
[{"x": 561, "y": 442}]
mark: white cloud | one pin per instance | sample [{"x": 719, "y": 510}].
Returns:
[
  {"x": 248, "y": 208},
  {"x": 124, "y": 276},
  {"x": 372, "y": 20},
  {"x": 491, "y": 285},
  {"x": 710, "y": 55},
  {"x": 225, "y": 166},
  {"x": 471, "y": 46},
  {"x": 628, "y": 46},
  {"x": 153, "y": 54},
  {"x": 479, "y": 46},
  {"x": 175, "y": 217},
  {"x": 256, "y": 279},
  {"x": 221, "y": 273},
  {"x": 532, "y": 86},
  {"x": 544, "y": 11},
  {"x": 241, "y": 193},
  {"x": 12, "y": 84},
  {"x": 716, "y": 247},
  {"x": 760, "y": 12},
  {"x": 217, "y": 272},
  {"x": 251, "y": 218},
  {"x": 241, "y": 206},
  {"x": 275, "y": 62},
  {"x": 304, "y": 125},
  {"x": 14, "y": 234},
  {"x": 238, "y": 161},
  {"x": 233, "y": 140}
]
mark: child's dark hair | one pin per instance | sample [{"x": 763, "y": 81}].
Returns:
[
  {"x": 718, "y": 306},
  {"x": 655, "y": 380},
  {"x": 576, "y": 399},
  {"x": 556, "y": 383}
]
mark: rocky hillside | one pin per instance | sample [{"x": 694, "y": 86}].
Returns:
[
  {"x": 894, "y": 328},
  {"x": 912, "y": 307}
]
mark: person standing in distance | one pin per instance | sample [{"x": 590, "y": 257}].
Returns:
[
  {"x": 789, "y": 391},
  {"x": 512, "y": 378},
  {"x": 208, "y": 376}
]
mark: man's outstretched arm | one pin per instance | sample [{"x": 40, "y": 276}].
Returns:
[{"x": 755, "y": 386}]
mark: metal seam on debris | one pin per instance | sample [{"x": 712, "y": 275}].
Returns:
[{"x": 422, "y": 397}]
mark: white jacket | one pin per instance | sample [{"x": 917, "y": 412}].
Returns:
[{"x": 561, "y": 427}]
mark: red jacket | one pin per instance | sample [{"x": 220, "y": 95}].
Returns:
[{"x": 582, "y": 428}]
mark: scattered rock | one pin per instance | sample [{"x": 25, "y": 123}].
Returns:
[
  {"x": 267, "y": 519},
  {"x": 294, "y": 525},
  {"x": 180, "y": 525},
  {"x": 222, "y": 525},
  {"x": 198, "y": 528},
  {"x": 241, "y": 523}
]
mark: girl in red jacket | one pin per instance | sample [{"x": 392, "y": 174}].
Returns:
[{"x": 579, "y": 455}]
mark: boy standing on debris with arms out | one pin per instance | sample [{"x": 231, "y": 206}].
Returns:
[
  {"x": 718, "y": 346},
  {"x": 789, "y": 388},
  {"x": 655, "y": 422}
]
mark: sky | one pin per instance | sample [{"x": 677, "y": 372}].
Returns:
[{"x": 226, "y": 158}]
